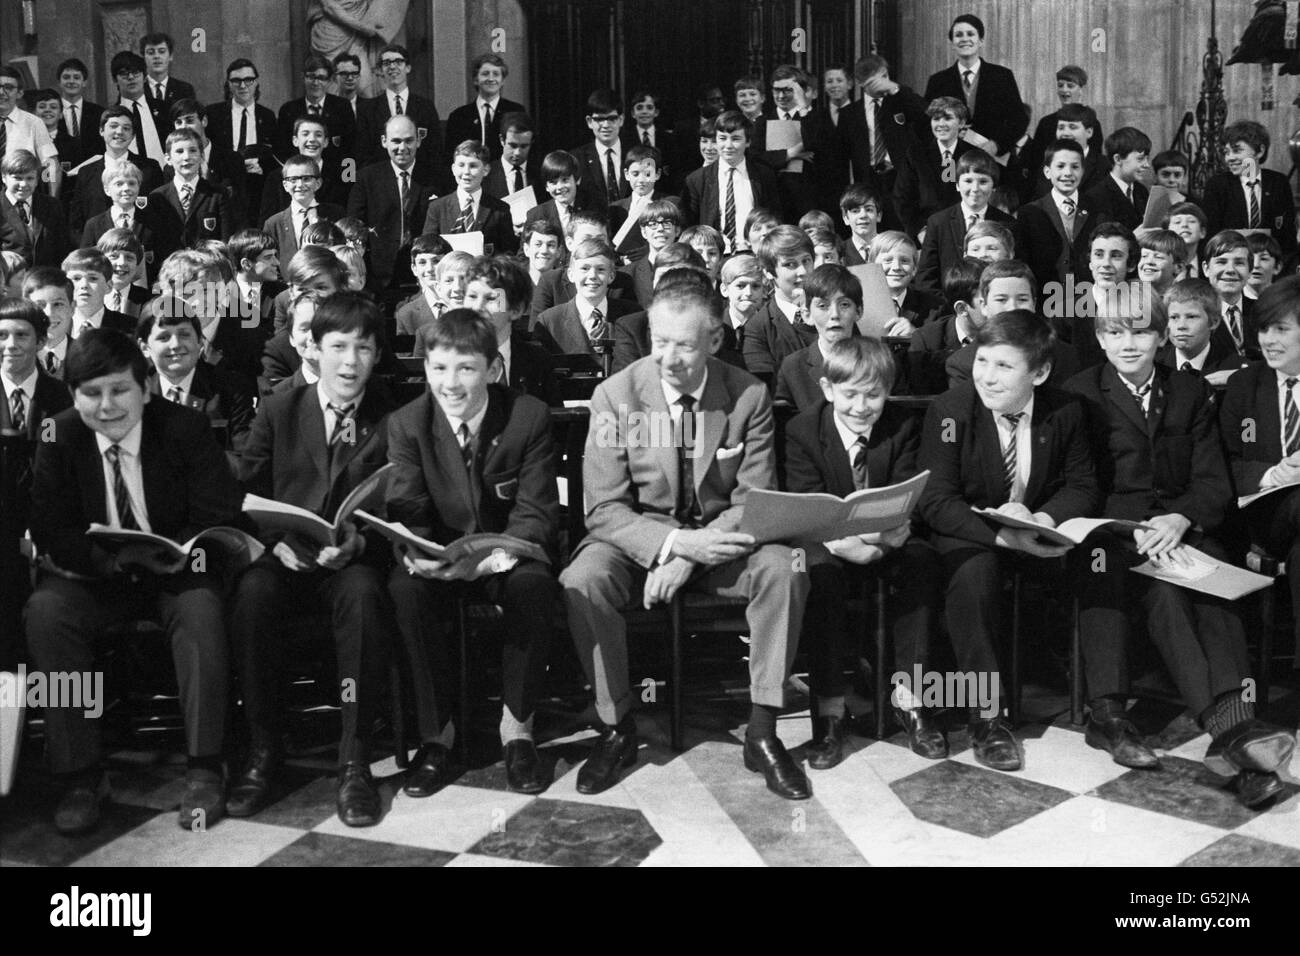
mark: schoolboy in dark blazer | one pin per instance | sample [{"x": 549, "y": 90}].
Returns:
[
  {"x": 481, "y": 461},
  {"x": 208, "y": 214},
  {"x": 704, "y": 196},
  {"x": 1053, "y": 251},
  {"x": 977, "y": 455},
  {"x": 998, "y": 112},
  {"x": 310, "y": 447},
  {"x": 489, "y": 216},
  {"x": 945, "y": 232},
  {"x": 118, "y": 459},
  {"x": 1225, "y": 200},
  {"x": 377, "y": 199},
  {"x": 487, "y": 72},
  {"x": 850, "y": 440},
  {"x": 1159, "y": 460},
  {"x": 43, "y": 240}
]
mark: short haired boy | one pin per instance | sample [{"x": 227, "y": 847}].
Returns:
[
  {"x": 643, "y": 170},
  {"x": 449, "y": 447},
  {"x": 1172, "y": 169},
  {"x": 722, "y": 194},
  {"x": 896, "y": 254},
  {"x": 127, "y": 211},
  {"x": 1188, "y": 221},
  {"x": 116, "y": 130},
  {"x": 659, "y": 223},
  {"x": 945, "y": 231},
  {"x": 1162, "y": 257},
  {"x": 300, "y": 180},
  {"x": 499, "y": 290},
  {"x": 1054, "y": 228},
  {"x": 310, "y": 447},
  {"x": 934, "y": 342},
  {"x": 1071, "y": 82},
  {"x": 1156, "y": 445},
  {"x": 860, "y": 209},
  {"x": 927, "y": 170},
  {"x": 49, "y": 289},
  {"x": 578, "y": 325},
  {"x": 1266, "y": 263},
  {"x": 423, "y": 307},
  {"x": 851, "y": 439},
  {"x": 1005, "y": 441},
  {"x": 119, "y": 459},
  {"x": 1198, "y": 341},
  {"x": 562, "y": 176},
  {"x": 481, "y": 118},
  {"x": 1227, "y": 262},
  {"x": 32, "y": 223},
  {"x": 173, "y": 342},
  {"x": 30, "y": 397},
  {"x": 90, "y": 272},
  {"x": 834, "y": 299},
  {"x": 1121, "y": 196},
  {"x": 600, "y": 160},
  {"x": 1247, "y": 196},
  {"x": 188, "y": 207},
  {"x": 781, "y": 327},
  {"x": 469, "y": 208},
  {"x": 1257, "y": 419}
]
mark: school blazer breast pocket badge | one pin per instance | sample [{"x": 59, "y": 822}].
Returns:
[
  {"x": 1277, "y": 222},
  {"x": 210, "y": 223},
  {"x": 507, "y": 490},
  {"x": 900, "y": 119}
]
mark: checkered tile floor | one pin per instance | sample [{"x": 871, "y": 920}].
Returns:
[{"x": 883, "y": 805}]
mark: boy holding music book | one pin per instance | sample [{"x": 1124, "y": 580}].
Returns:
[
  {"x": 310, "y": 447},
  {"x": 1159, "y": 461},
  {"x": 1005, "y": 440},
  {"x": 850, "y": 441},
  {"x": 473, "y": 457},
  {"x": 120, "y": 459}
]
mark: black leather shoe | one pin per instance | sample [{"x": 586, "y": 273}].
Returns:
[
  {"x": 1255, "y": 789},
  {"x": 430, "y": 771},
  {"x": 1120, "y": 738},
  {"x": 615, "y": 749},
  {"x": 359, "y": 804},
  {"x": 924, "y": 735},
  {"x": 252, "y": 791},
  {"x": 826, "y": 749},
  {"x": 768, "y": 756},
  {"x": 1250, "y": 745},
  {"x": 523, "y": 769},
  {"x": 994, "y": 744},
  {"x": 79, "y": 808},
  {"x": 204, "y": 800}
]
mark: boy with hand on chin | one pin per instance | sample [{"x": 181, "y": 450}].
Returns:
[
  {"x": 473, "y": 456},
  {"x": 1004, "y": 441}
]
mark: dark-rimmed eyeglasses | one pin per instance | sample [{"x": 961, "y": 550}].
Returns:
[{"x": 242, "y": 80}]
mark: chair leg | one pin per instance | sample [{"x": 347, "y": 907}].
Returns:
[
  {"x": 1076, "y": 670},
  {"x": 462, "y": 716},
  {"x": 401, "y": 756},
  {"x": 675, "y": 627},
  {"x": 882, "y": 639},
  {"x": 1014, "y": 696},
  {"x": 1268, "y": 620}
]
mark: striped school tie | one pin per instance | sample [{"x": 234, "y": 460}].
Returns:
[
  {"x": 1009, "y": 456},
  {"x": 1292, "y": 442},
  {"x": 729, "y": 213},
  {"x": 121, "y": 497},
  {"x": 1254, "y": 203}
]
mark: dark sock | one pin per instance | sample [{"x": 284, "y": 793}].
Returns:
[
  {"x": 212, "y": 763},
  {"x": 626, "y": 725},
  {"x": 1104, "y": 708},
  {"x": 1229, "y": 710},
  {"x": 762, "y": 721}
]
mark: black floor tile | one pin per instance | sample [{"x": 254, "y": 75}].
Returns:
[
  {"x": 324, "y": 849},
  {"x": 1238, "y": 850},
  {"x": 564, "y": 833},
  {"x": 974, "y": 800}
]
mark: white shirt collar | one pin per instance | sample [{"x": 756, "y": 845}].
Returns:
[
  {"x": 308, "y": 375},
  {"x": 848, "y": 436},
  {"x": 475, "y": 197},
  {"x": 179, "y": 181},
  {"x": 585, "y": 309},
  {"x": 788, "y": 308},
  {"x": 967, "y": 212},
  {"x": 398, "y": 170},
  {"x": 474, "y": 423},
  {"x": 1123, "y": 186},
  {"x": 325, "y": 402},
  {"x": 92, "y": 321},
  {"x": 28, "y": 385},
  {"x": 479, "y": 103},
  {"x": 130, "y": 442},
  {"x": 1027, "y": 412},
  {"x": 1150, "y": 381},
  {"x": 1059, "y": 198},
  {"x": 186, "y": 385},
  {"x": 974, "y": 68},
  {"x": 1197, "y": 361}
]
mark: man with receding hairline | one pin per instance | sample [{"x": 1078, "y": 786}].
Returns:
[
  {"x": 388, "y": 196},
  {"x": 664, "y": 506}
]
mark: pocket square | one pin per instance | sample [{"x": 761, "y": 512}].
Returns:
[{"x": 726, "y": 453}]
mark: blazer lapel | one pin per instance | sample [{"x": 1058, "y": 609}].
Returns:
[
  {"x": 94, "y": 488},
  {"x": 1159, "y": 400},
  {"x": 311, "y": 432},
  {"x": 665, "y": 454},
  {"x": 710, "y": 424},
  {"x": 989, "y": 447},
  {"x": 441, "y": 453},
  {"x": 837, "y": 460},
  {"x": 364, "y": 422},
  {"x": 1117, "y": 394},
  {"x": 158, "y": 492},
  {"x": 1269, "y": 425},
  {"x": 957, "y": 226}
]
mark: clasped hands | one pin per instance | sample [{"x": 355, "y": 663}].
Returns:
[
  {"x": 691, "y": 548},
  {"x": 299, "y": 555},
  {"x": 866, "y": 548}
]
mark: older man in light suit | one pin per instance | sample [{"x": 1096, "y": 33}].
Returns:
[{"x": 663, "y": 509}]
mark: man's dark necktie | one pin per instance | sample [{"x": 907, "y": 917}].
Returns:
[
  {"x": 1139, "y": 396},
  {"x": 398, "y": 104},
  {"x": 1291, "y": 444},
  {"x": 22, "y": 214},
  {"x": 51, "y": 363},
  {"x": 243, "y": 129},
  {"x": 403, "y": 197},
  {"x": 1233, "y": 328},
  {"x": 645, "y": 138},
  {"x": 1189, "y": 367},
  {"x": 76, "y": 124},
  {"x": 611, "y": 177},
  {"x": 687, "y": 502},
  {"x": 121, "y": 497},
  {"x": 18, "y": 413},
  {"x": 487, "y": 122},
  {"x": 877, "y": 137},
  {"x": 599, "y": 327},
  {"x": 139, "y": 128},
  {"x": 4, "y": 134},
  {"x": 1254, "y": 203},
  {"x": 519, "y": 180},
  {"x": 187, "y": 194},
  {"x": 860, "y": 463}
]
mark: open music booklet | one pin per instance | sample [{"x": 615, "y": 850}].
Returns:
[
  {"x": 788, "y": 516},
  {"x": 473, "y": 547},
  {"x": 1073, "y": 531},
  {"x": 243, "y": 547},
  {"x": 272, "y": 515}
]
